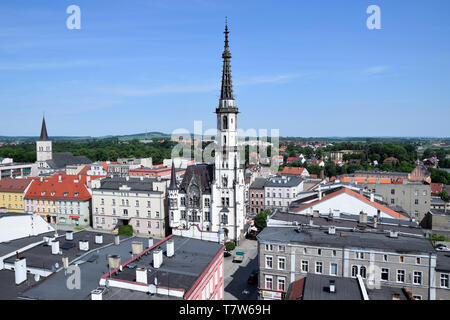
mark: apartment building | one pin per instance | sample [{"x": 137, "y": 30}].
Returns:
[
  {"x": 394, "y": 259},
  {"x": 256, "y": 195},
  {"x": 140, "y": 202},
  {"x": 281, "y": 191},
  {"x": 12, "y": 192}
]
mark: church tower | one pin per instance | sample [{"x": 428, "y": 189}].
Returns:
[
  {"x": 43, "y": 147},
  {"x": 228, "y": 189}
]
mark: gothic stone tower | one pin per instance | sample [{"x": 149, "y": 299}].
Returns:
[
  {"x": 229, "y": 186},
  {"x": 43, "y": 147}
]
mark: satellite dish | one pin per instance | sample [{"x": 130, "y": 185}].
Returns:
[
  {"x": 152, "y": 289},
  {"x": 37, "y": 277}
]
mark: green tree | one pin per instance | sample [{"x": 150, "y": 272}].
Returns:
[
  {"x": 444, "y": 195},
  {"x": 126, "y": 230},
  {"x": 261, "y": 219}
]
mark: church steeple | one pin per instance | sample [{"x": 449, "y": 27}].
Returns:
[
  {"x": 227, "y": 85},
  {"x": 44, "y": 136},
  {"x": 173, "y": 178}
]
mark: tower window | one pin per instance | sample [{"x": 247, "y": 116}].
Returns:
[{"x": 225, "y": 122}]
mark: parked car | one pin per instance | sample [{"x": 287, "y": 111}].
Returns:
[
  {"x": 238, "y": 257},
  {"x": 226, "y": 253},
  {"x": 252, "y": 235},
  {"x": 442, "y": 247},
  {"x": 253, "y": 278}
]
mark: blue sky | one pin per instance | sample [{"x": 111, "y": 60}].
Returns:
[{"x": 308, "y": 68}]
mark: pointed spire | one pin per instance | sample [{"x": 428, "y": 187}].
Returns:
[
  {"x": 44, "y": 136},
  {"x": 227, "y": 85},
  {"x": 173, "y": 178}
]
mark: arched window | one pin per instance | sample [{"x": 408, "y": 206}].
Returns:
[
  {"x": 362, "y": 272},
  {"x": 354, "y": 271},
  {"x": 225, "y": 122}
]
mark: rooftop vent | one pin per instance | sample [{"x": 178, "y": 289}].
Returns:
[
  {"x": 69, "y": 235},
  {"x": 55, "y": 247},
  {"x": 84, "y": 245},
  {"x": 331, "y": 230},
  {"x": 136, "y": 247},
  {"x": 150, "y": 242},
  {"x": 141, "y": 275},
  {"x": 393, "y": 234},
  {"x": 332, "y": 286},
  {"x": 315, "y": 213},
  {"x": 170, "y": 248},
  {"x": 98, "y": 238},
  {"x": 20, "y": 270},
  {"x": 116, "y": 239},
  {"x": 113, "y": 261},
  {"x": 97, "y": 294},
  {"x": 157, "y": 259}
]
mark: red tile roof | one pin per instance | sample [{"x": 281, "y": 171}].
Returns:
[
  {"x": 436, "y": 187},
  {"x": 356, "y": 195},
  {"x": 291, "y": 159},
  {"x": 14, "y": 185},
  {"x": 296, "y": 290},
  {"x": 293, "y": 170},
  {"x": 51, "y": 189}
]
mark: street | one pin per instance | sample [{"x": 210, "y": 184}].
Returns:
[{"x": 236, "y": 274}]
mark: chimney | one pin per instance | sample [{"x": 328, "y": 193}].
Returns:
[
  {"x": 116, "y": 239},
  {"x": 55, "y": 247},
  {"x": 170, "y": 248},
  {"x": 113, "y": 261},
  {"x": 65, "y": 261},
  {"x": 97, "y": 294},
  {"x": 320, "y": 192},
  {"x": 98, "y": 238},
  {"x": 372, "y": 197},
  {"x": 322, "y": 174},
  {"x": 59, "y": 178},
  {"x": 157, "y": 259},
  {"x": 136, "y": 247},
  {"x": 375, "y": 222},
  {"x": 332, "y": 286},
  {"x": 393, "y": 234},
  {"x": 331, "y": 230},
  {"x": 150, "y": 242},
  {"x": 362, "y": 217},
  {"x": 141, "y": 275},
  {"x": 84, "y": 245},
  {"x": 315, "y": 213},
  {"x": 69, "y": 235},
  {"x": 20, "y": 270}
]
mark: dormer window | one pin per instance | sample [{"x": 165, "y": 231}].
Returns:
[
  {"x": 66, "y": 194},
  {"x": 76, "y": 194},
  {"x": 42, "y": 193}
]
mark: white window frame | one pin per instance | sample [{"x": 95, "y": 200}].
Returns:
[
  {"x": 335, "y": 264},
  {"x": 304, "y": 262},
  {"x": 268, "y": 277},
  {"x": 404, "y": 276},
  {"x": 271, "y": 260},
  {"x": 321, "y": 267},
  {"x": 443, "y": 275},
  {"x": 420, "y": 275},
  {"x": 279, "y": 281},
  {"x": 281, "y": 259}
]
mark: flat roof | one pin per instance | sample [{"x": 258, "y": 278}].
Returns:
[
  {"x": 350, "y": 221},
  {"x": 14, "y": 245},
  {"x": 347, "y": 239},
  {"x": 112, "y": 293},
  {"x": 180, "y": 271},
  {"x": 41, "y": 256},
  {"x": 55, "y": 288}
]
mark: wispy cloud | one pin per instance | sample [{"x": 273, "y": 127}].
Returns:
[
  {"x": 375, "y": 70},
  {"x": 48, "y": 65},
  {"x": 194, "y": 88}
]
